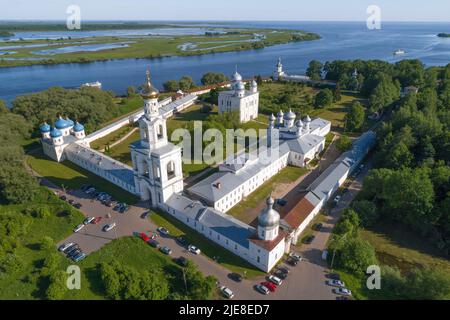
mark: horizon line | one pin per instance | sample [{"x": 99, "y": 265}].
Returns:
[{"x": 218, "y": 20}]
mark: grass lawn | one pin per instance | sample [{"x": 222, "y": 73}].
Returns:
[
  {"x": 122, "y": 151},
  {"x": 71, "y": 176},
  {"x": 287, "y": 175},
  {"x": 402, "y": 248},
  {"x": 25, "y": 283},
  {"x": 109, "y": 139},
  {"x": 337, "y": 112},
  {"x": 209, "y": 248}
]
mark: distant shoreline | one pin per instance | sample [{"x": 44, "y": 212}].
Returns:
[{"x": 444, "y": 35}]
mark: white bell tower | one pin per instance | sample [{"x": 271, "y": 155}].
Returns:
[{"x": 157, "y": 162}]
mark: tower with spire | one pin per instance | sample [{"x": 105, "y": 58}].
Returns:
[
  {"x": 157, "y": 163},
  {"x": 279, "y": 72}
]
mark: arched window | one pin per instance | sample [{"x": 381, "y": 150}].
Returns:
[
  {"x": 145, "y": 167},
  {"x": 171, "y": 170},
  {"x": 160, "y": 131}
]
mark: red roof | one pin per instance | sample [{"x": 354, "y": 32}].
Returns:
[
  {"x": 299, "y": 213},
  {"x": 269, "y": 245}
]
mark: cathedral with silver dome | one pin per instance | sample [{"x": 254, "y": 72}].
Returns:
[{"x": 245, "y": 102}]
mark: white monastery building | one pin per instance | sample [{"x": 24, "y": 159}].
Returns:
[
  {"x": 238, "y": 99},
  {"x": 156, "y": 175}
]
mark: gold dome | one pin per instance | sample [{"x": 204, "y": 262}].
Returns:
[{"x": 148, "y": 90}]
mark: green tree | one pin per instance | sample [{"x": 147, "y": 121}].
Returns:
[
  {"x": 186, "y": 83},
  {"x": 171, "y": 86},
  {"x": 355, "y": 117},
  {"x": 3, "y": 107},
  {"x": 367, "y": 212},
  {"x": 131, "y": 91},
  {"x": 323, "y": 99},
  {"x": 356, "y": 255},
  {"x": 344, "y": 143},
  {"x": 199, "y": 287},
  {"x": 212, "y": 78},
  {"x": 314, "y": 70},
  {"x": 337, "y": 96},
  {"x": 57, "y": 288},
  {"x": 427, "y": 284}
]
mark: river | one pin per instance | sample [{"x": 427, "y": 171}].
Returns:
[{"x": 340, "y": 40}]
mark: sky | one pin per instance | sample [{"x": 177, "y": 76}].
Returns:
[{"x": 288, "y": 10}]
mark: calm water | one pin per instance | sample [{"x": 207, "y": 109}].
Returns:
[{"x": 340, "y": 40}]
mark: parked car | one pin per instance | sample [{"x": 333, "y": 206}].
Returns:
[
  {"x": 78, "y": 228},
  {"x": 65, "y": 246},
  {"x": 342, "y": 291},
  {"x": 309, "y": 239},
  {"x": 194, "y": 249},
  {"x": 71, "y": 202},
  {"x": 145, "y": 215},
  {"x": 281, "y": 202},
  {"x": 91, "y": 190},
  {"x": 79, "y": 257},
  {"x": 336, "y": 200},
  {"x": 88, "y": 220},
  {"x": 109, "y": 227},
  {"x": 275, "y": 280},
  {"x": 71, "y": 249},
  {"x": 163, "y": 231},
  {"x": 227, "y": 293},
  {"x": 281, "y": 275},
  {"x": 109, "y": 203},
  {"x": 182, "y": 241},
  {"x": 292, "y": 262},
  {"x": 284, "y": 269},
  {"x": 182, "y": 261},
  {"x": 235, "y": 277},
  {"x": 124, "y": 208},
  {"x": 318, "y": 226},
  {"x": 63, "y": 198},
  {"x": 333, "y": 276},
  {"x": 166, "y": 250},
  {"x": 153, "y": 243},
  {"x": 336, "y": 283},
  {"x": 97, "y": 220},
  {"x": 269, "y": 285},
  {"x": 77, "y": 205},
  {"x": 262, "y": 289},
  {"x": 74, "y": 253},
  {"x": 295, "y": 256}
]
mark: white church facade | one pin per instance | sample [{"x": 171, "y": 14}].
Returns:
[{"x": 245, "y": 102}]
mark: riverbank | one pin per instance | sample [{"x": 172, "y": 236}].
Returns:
[{"x": 104, "y": 48}]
